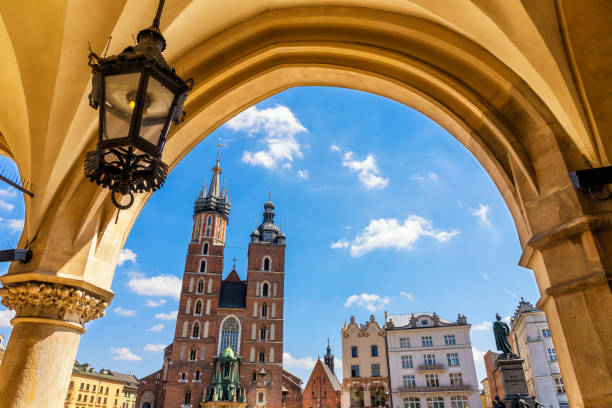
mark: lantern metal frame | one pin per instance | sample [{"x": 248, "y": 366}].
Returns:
[{"x": 136, "y": 164}]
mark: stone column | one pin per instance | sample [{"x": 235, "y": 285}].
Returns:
[
  {"x": 49, "y": 321},
  {"x": 573, "y": 269}
]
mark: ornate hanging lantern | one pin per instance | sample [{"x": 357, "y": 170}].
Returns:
[{"x": 138, "y": 97}]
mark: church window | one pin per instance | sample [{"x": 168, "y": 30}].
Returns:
[
  {"x": 254, "y": 376},
  {"x": 374, "y": 350},
  {"x": 200, "y": 287},
  {"x": 209, "y": 220},
  {"x": 265, "y": 289},
  {"x": 266, "y": 264},
  {"x": 357, "y": 397},
  {"x": 195, "y": 333},
  {"x": 459, "y": 401},
  {"x": 229, "y": 335},
  {"x": 192, "y": 355},
  {"x": 205, "y": 249},
  {"x": 262, "y": 334},
  {"x": 260, "y": 398},
  {"x": 197, "y": 310},
  {"x": 203, "y": 266},
  {"x": 264, "y": 310},
  {"x": 188, "y": 397},
  {"x": 208, "y": 231},
  {"x": 197, "y": 375},
  {"x": 435, "y": 402},
  {"x": 262, "y": 356},
  {"x": 183, "y": 376}
]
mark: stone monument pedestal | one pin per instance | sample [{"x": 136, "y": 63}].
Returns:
[{"x": 512, "y": 378}]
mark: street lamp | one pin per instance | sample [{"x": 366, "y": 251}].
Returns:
[{"x": 138, "y": 97}]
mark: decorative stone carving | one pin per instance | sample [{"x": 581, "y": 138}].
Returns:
[{"x": 33, "y": 299}]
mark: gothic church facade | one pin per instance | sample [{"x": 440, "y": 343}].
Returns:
[{"x": 215, "y": 313}]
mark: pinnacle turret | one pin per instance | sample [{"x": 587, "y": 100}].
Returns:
[{"x": 217, "y": 198}]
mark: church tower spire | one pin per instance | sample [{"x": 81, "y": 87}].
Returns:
[
  {"x": 217, "y": 199},
  {"x": 329, "y": 357}
]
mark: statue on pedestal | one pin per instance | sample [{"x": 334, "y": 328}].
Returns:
[
  {"x": 501, "y": 331},
  {"x": 519, "y": 402}
]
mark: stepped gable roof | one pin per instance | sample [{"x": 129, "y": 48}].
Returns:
[
  {"x": 420, "y": 320},
  {"x": 233, "y": 292},
  {"x": 333, "y": 380}
]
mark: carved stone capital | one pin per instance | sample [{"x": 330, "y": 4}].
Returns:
[{"x": 52, "y": 301}]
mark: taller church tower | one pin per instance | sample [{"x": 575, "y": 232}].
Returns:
[{"x": 228, "y": 340}]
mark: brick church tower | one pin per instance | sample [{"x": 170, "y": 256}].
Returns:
[{"x": 215, "y": 313}]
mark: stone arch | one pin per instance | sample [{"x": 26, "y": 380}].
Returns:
[{"x": 507, "y": 115}]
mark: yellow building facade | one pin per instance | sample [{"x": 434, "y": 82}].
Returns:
[{"x": 91, "y": 389}]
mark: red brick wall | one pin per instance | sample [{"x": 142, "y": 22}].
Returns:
[
  {"x": 293, "y": 396},
  {"x": 319, "y": 392}
]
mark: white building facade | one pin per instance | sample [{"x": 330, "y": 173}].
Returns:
[
  {"x": 431, "y": 364},
  {"x": 531, "y": 340}
]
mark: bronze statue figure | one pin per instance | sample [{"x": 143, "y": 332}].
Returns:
[
  {"x": 497, "y": 403},
  {"x": 501, "y": 332}
]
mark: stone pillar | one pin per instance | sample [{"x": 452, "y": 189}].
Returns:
[
  {"x": 573, "y": 268},
  {"x": 49, "y": 321}
]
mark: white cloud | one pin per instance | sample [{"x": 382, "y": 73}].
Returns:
[
  {"x": 124, "y": 353},
  {"x": 279, "y": 127},
  {"x": 155, "y": 303},
  {"x": 124, "y": 312},
  {"x": 482, "y": 214},
  {"x": 335, "y": 148},
  {"x": 343, "y": 243},
  {"x": 422, "y": 177},
  {"x": 484, "y": 275},
  {"x": 127, "y": 255},
  {"x": 5, "y": 317},
  {"x": 484, "y": 326},
  {"x": 6, "y": 193},
  {"x": 348, "y": 227},
  {"x": 167, "y": 316},
  {"x": 303, "y": 174},
  {"x": 155, "y": 347},
  {"x": 371, "y": 302},
  {"x": 15, "y": 225},
  {"x": 514, "y": 295},
  {"x": 367, "y": 170},
  {"x": 390, "y": 233},
  {"x": 6, "y": 206},
  {"x": 156, "y": 328},
  {"x": 160, "y": 285},
  {"x": 410, "y": 296},
  {"x": 306, "y": 363}
]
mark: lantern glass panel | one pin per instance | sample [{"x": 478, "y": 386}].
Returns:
[
  {"x": 158, "y": 103},
  {"x": 120, "y": 96}
]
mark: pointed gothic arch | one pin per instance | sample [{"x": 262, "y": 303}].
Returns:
[
  {"x": 230, "y": 331},
  {"x": 205, "y": 249},
  {"x": 197, "y": 308},
  {"x": 202, "y": 268},
  {"x": 266, "y": 264}
]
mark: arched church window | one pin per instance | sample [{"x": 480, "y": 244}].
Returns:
[
  {"x": 265, "y": 290},
  {"x": 205, "y": 249},
  {"x": 198, "y": 308},
  {"x": 183, "y": 375},
  {"x": 209, "y": 220},
  {"x": 188, "y": 397},
  {"x": 197, "y": 375},
  {"x": 200, "y": 288},
  {"x": 262, "y": 356},
  {"x": 262, "y": 334},
  {"x": 192, "y": 355},
  {"x": 195, "y": 333},
  {"x": 264, "y": 310},
  {"x": 203, "y": 266},
  {"x": 266, "y": 264},
  {"x": 254, "y": 376},
  {"x": 208, "y": 231},
  {"x": 230, "y": 330}
]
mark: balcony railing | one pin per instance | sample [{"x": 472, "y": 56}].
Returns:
[
  {"x": 439, "y": 388},
  {"x": 431, "y": 367}
]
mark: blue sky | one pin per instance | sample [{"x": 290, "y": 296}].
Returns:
[{"x": 382, "y": 208}]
